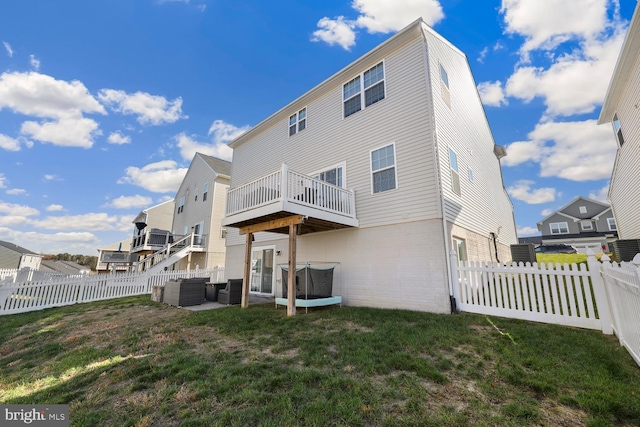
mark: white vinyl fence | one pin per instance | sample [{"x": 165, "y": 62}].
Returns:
[
  {"x": 600, "y": 295},
  {"x": 23, "y": 296}
]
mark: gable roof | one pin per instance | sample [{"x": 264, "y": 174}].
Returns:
[
  {"x": 68, "y": 267},
  {"x": 221, "y": 167},
  {"x": 624, "y": 66},
  {"x": 17, "y": 248},
  {"x": 559, "y": 211}
]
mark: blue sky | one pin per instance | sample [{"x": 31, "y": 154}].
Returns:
[{"x": 103, "y": 103}]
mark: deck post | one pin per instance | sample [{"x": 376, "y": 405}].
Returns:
[
  {"x": 291, "y": 289},
  {"x": 247, "y": 272}
]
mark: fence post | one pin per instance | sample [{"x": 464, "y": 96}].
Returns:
[
  {"x": 615, "y": 316},
  {"x": 455, "y": 283},
  {"x": 602, "y": 302}
]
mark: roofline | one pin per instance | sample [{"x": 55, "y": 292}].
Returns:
[
  {"x": 557, "y": 211},
  {"x": 224, "y": 175},
  {"x": 624, "y": 64},
  {"x": 339, "y": 76}
]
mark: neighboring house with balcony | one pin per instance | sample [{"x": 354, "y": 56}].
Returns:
[
  {"x": 199, "y": 209},
  {"x": 385, "y": 167},
  {"x": 13, "y": 256},
  {"x": 582, "y": 223},
  {"x": 152, "y": 230},
  {"x": 115, "y": 257},
  {"x": 621, "y": 108}
]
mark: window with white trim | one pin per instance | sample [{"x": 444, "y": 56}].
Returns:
[
  {"x": 470, "y": 172},
  {"x": 181, "y": 204},
  {"x": 583, "y": 209},
  {"x": 444, "y": 85},
  {"x": 205, "y": 191},
  {"x": 559, "y": 228},
  {"x": 444, "y": 76},
  {"x": 586, "y": 226},
  {"x": 365, "y": 89},
  {"x": 298, "y": 121},
  {"x": 383, "y": 169},
  {"x": 611, "y": 222},
  {"x": 455, "y": 175},
  {"x": 333, "y": 175},
  {"x": 195, "y": 192},
  {"x": 617, "y": 129}
]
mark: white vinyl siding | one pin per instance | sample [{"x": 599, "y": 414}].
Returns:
[
  {"x": 559, "y": 228},
  {"x": 383, "y": 169},
  {"x": 461, "y": 125}
]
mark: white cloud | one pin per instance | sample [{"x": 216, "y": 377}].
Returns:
[
  {"x": 159, "y": 177},
  {"x": 7, "y": 46},
  {"x": 48, "y": 177},
  {"x": 221, "y": 134},
  {"x": 578, "y": 151},
  {"x": 75, "y": 131},
  {"x": 3, "y": 181},
  {"x": 54, "y": 208},
  {"x": 376, "y": 16},
  {"x": 118, "y": 138},
  {"x": 336, "y": 31},
  {"x": 12, "y": 209},
  {"x": 492, "y": 94},
  {"x": 602, "y": 194},
  {"x": 521, "y": 190},
  {"x": 128, "y": 202},
  {"x": 90, "y": 221},
  {"x": 16, "y": 192},
  {"x": 383, "y": 16},
  {"x": 546, "y": 212},
  {"x": 150, "y": 109},
  {"x": 545, "y": 24},
  {"x": 35, "y": 63},
  {"x": 55, "y": 243},
  {"x": 576, "y": 83},
  {"x": 526, "y": 231},
  {"x": 39, "y": 95},
  {"x": 483, "y": 54},
  {"x": 8, "y": 143}
]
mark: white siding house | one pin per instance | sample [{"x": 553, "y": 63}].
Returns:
[
  {"x": 199, "y": 208},
  {"x": 621, "y": 110},
  {"x": 391, "y": 164}
]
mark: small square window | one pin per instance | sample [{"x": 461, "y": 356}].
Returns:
[
  {"x": 583, "y": 209},
  {"x": 298, "y": 122}
]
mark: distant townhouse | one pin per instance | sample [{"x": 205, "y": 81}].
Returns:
[{"x": 14, "y": 256}]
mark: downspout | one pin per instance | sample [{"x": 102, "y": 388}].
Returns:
[
  {"x": 494, "y": 237},
  {"x": 447, "y": 248}
]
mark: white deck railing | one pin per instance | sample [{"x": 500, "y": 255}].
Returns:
[{"x": 298, "y": 188}]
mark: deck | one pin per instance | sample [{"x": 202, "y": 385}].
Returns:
[{"x": 285, "y": 193}]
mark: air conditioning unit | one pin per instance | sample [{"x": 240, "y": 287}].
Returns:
[
  {"x": 625, "y": 250},
  {"x": 524, "y": 252}
]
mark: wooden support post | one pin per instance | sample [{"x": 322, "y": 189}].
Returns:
[
  {"x": 247, "y": 272},
  {"x": 291, "y": 290}
]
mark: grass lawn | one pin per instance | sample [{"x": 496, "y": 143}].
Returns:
[{"x": 132, "y": 362}]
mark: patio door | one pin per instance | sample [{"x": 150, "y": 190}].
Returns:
[{"x": 262, "y": 276}]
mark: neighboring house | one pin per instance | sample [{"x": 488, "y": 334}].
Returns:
[
  {"x": 385, "y": 167},
  {"x": 621, "y": 108},
  {"x": 583, "y": 223},
  {"x": 14, "y": 256},
  {"x": 199, "y": 209},
  {"x": 66, "y": 267},
  {"x": 152, "y": 229},
  {"x": 114, "y": 257}
]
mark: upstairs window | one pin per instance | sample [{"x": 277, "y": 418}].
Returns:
[
  {"x": 383, "y": 169},
  {"x": 195, "y": 198},
  {"x": 205, "y": 191},
  {"x": 298, "y": 121},
  {"x": 444, "y": 76},
  {"x": 470, "y": 172},
  {"x": 559, "y": 228},
  {"x": 455, "y": 175},
  {"x": 444, "y": 85},
  {"x": 365, "y": 89},
  {"x": 181, "y": 205},
  {"x": 617, "y": 129},
  {"x": 612, "y": 224},
  {"x": 587, "y": 226}
]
